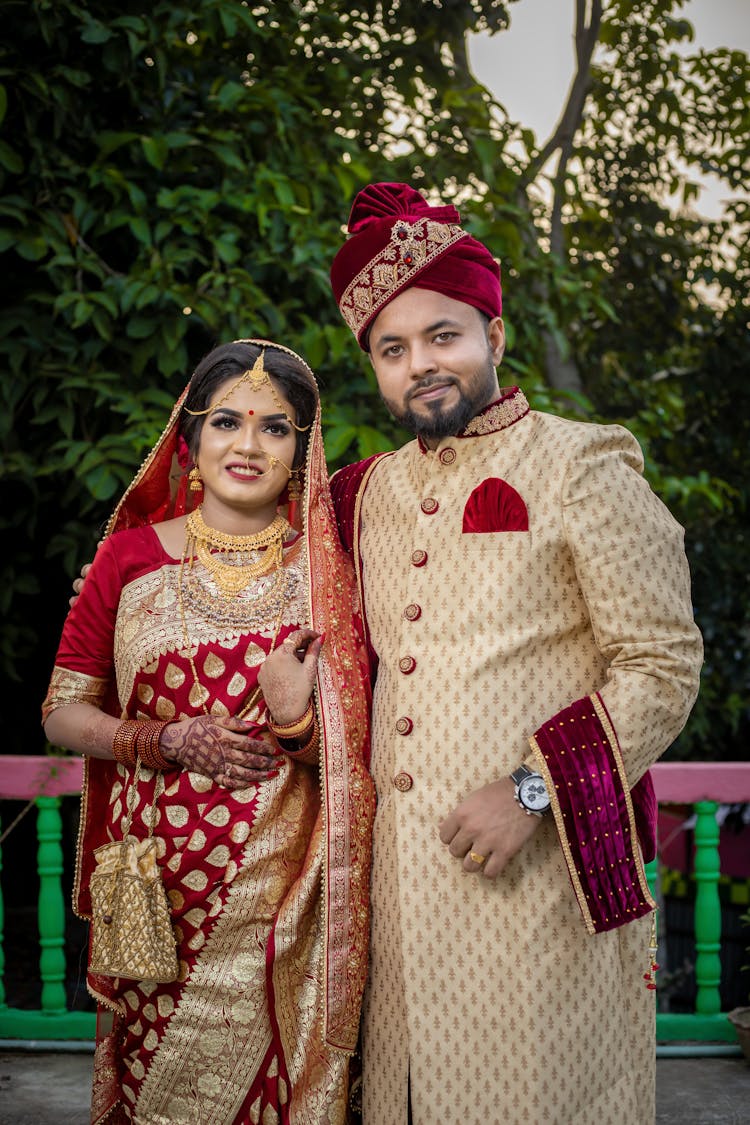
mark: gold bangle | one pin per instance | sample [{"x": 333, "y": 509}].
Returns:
[
  {"x": 296, "y": 729},
  {"x": 303, "y": 750}
]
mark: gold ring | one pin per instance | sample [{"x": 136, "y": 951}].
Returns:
[{"x": 475, "y": 857}]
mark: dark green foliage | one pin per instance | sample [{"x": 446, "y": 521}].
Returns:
[{"x": 177, "y": 174}]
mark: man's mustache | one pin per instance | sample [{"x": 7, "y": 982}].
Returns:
[{"x": 429, "y": 381}]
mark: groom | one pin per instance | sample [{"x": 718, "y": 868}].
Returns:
[{"x": 528, "y": 604}]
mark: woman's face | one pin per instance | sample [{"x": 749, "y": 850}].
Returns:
[{"x": 245, "y": 453}]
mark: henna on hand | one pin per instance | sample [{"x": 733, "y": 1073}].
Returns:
[
  {"x": 287, "y": 677},
  {"x": 220, "y": 749}
]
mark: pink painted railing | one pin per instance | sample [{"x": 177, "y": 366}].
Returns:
[{"x": 45, "y": 780}]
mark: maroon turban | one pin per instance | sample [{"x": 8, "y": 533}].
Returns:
[{"x": 397, "y": 240}]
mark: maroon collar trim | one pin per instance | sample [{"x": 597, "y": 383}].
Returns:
[{"x": 510, "y": 408}]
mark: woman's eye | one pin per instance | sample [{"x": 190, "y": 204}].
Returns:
[
  {"x": 224, "y": 422},
  {"x": 279, "y": 429},
  {"x": 445, "y": 337}
]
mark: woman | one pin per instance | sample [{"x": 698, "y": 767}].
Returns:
[{"x": 265, "y": 811}]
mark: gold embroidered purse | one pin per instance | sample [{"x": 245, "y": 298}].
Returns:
[{"x": 131, "y": 926}]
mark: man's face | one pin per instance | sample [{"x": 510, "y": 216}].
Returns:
[{"x": 434, "y": 359}]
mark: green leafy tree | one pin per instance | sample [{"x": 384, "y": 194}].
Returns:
[{"x": 178, "y": 175}]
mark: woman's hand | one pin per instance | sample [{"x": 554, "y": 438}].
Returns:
[
  {"x": 288, "y": 673},
  {"x": 220, "y": 749}
]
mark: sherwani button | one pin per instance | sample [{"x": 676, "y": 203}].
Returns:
[
  {"x": 413, "y": 612},
  {"x": 403, "y": 781},
  {"x": 407, "y": 664},
  {"x": 404, "y": 725},
  {"x": 418, "y": 558},
  {"x": 447, "y": 456},
  {"x": 429, "y": 505}
]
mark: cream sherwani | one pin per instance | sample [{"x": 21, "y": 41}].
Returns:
[{"x": 491, "y": 1000}]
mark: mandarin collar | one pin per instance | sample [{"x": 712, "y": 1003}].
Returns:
[{"x": 510, "y": 407}]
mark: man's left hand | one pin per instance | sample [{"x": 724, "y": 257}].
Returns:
[{"x": 490, "y": 824}]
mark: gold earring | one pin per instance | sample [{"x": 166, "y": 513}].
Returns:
[
  {"x": 294, "y": 487},
  {"x": 196, "y": 482}
]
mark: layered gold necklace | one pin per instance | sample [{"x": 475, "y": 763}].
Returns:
[
  {"x": 229, "y": 558},
  {"x": 232, "y": 578}
]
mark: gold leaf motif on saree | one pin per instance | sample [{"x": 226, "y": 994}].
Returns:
[
  {"x": 165, "y": 708},
  {"x": 218, "y": 856},
  {"x": 218, "y": 816},
  {"x": 237, "y": 684},
  {"x": 214, "y": 666},
  {"x": 177, "y": 815},
  {"x": 195, "y": 880},
  {"x": 174, "y": 677}
]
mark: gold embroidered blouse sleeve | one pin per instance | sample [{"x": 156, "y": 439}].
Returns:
[{"x": 72, "y": 687}]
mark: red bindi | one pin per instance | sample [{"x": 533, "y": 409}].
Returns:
[{"x": 251, "y": 411}]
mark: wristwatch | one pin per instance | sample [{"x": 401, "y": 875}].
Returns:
[{"x": 530, "y": 791}]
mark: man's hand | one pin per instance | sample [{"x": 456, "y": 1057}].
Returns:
[
  {"x": 220, "y": 749},
  {"x": 78, "y": 584},
  {"x": 490, "y": 824}
]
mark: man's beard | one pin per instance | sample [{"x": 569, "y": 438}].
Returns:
[{"x": 436, "y": 421}]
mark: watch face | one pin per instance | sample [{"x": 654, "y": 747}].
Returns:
[{"x": 532, "y": 793}]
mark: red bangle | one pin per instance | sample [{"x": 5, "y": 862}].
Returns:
[
  {"x": 302, "y": 747},
  {"x": 139, "y": 738}
]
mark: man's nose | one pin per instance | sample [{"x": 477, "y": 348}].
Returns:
[{"x": 422, "y": 361}]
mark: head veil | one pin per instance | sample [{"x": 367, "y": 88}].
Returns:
[{"x": 157, "y": 493}]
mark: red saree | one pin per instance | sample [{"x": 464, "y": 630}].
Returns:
[{"x": 268, "y": 885}]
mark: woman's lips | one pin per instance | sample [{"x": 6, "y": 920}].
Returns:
[{"x": 245, "y": 472}]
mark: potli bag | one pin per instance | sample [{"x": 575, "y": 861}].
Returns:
[{"x": 130, "y": 920}]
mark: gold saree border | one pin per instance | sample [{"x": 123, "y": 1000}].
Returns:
[{"x": 348, "y": 795}]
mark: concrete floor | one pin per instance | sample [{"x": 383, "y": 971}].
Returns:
[{"x": 51, "y": 1088}]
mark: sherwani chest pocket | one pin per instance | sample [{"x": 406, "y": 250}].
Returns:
[{"x": 493, "y": 572}]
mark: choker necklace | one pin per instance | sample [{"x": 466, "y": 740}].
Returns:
[{"x": 233, "y": 576}]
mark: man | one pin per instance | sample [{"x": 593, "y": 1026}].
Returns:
[{"x": 527, "y": 598}]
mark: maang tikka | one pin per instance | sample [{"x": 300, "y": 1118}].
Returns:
[{"x": 256, "y": 377}]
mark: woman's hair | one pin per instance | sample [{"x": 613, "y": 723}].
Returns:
[{"x": 291, "y": 377}]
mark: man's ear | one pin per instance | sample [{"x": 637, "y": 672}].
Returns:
[{"x": 496, "y": 338}]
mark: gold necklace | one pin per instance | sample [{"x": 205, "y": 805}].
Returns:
[
  {"x": 201, "y": 692},
  {"x": 232, "y": 578}
]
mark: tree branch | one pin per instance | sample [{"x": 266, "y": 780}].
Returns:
[{"x": 586, "y": 36}]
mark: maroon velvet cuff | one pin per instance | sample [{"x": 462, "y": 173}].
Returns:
[{"x": 595, "y": 814}]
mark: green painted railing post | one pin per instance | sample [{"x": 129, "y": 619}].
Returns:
[
  {"x": 51, "y": 905},
  {"x": 2, "y": 939},
  {"x": 707, "y": 909}
]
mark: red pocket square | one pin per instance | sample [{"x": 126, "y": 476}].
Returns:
[{"x": 494, "y": 505}]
